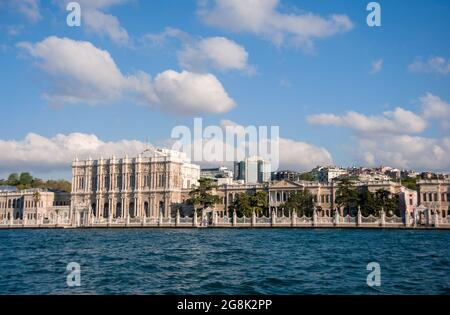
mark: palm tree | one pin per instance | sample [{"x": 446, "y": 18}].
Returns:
[{"x": 36, "y": 199}]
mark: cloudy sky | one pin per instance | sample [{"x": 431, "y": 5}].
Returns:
[{"x": 341, "y": 92}]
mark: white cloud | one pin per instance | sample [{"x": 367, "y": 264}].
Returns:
[
  {"x": 41, "y": 154},
  {"x": 302, "y": 156},
  {"x": 84, "y": 73},
  {"x": 376, "y": 67},
  {"x": 432, "y": 65},
  {"x": 204, "y": 54},
  {"x": 191, "y": 93},
  {"x": 435, "y": 108},
  {"x": 386, "y": 139},
  {"x": 404, "y": 151},
  {"x": 101, "y": 23},
  {"x": 29, "y": 8},
  {"x": 261, "y": 17},
  {"x": 214, "y": 52},
  {"x": 93, "y": 77},
  {"x": 397, "y": 121},
  {"x": 105, "y": 24},
  {"x": 158, "y": 39}
]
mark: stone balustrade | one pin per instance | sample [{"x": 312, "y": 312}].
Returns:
[{"x": 253, "y": 221}]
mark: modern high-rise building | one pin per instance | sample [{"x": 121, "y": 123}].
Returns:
[{"x": 252, "y": 170}]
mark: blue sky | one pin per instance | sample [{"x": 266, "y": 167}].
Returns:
[{"x": 305, "y": 83}]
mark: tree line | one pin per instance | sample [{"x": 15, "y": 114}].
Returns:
[
  {"x": 26, "y": 181},
  {"x": 348, "y": 197}
]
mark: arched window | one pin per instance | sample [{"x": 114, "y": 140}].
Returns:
[
  {"x": 146, "y": 209},
  {"x": 118, "y": 210},
  {"x": 161, "y": 207},
  {"x": 106, "y": 210},
  {"x": 94, "y": 210},
  {"x": 131, "y": 210}
]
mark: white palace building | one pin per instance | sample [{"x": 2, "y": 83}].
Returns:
[{"x": 127, "y": 188}]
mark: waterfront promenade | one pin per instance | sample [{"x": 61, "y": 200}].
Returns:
[{"x": 254, "y": 221}]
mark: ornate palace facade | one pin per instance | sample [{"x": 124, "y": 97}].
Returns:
[
  {"x": 324, "y": 194},
  {"x": 34, "y": 204},
  {"x": 435, "y": 195},
  {"x": 131, "y": 187}
]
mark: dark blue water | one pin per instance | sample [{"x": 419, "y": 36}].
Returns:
[{"x": 229, "y": 261}]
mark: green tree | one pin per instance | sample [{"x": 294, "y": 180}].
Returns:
[
  {"x": 368, "y": 203},
  {"x": 241, "y": 205},
  {"x": 259, "y": 202},
  {"x": 346, "y": 195},
  {"x": 308, "y": 176},
  {"x": 25, "y": 179},
  {"x": 202, "y": 195},
  {"x": 13, "y": 179},
  {"x": 389, "y": 202},
  {"x": 410, "y": 183},
  {"x": 302, "y": 202}
]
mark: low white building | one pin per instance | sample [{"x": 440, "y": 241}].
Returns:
[{"x": 32, "y": 204}]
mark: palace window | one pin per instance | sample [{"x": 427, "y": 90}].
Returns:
[
  {"x": 161, "y": 180},
  {"x": 146, "y": 209},
  {"x": 119, "y": 182},
  {"x": 145, "y": 180},
  {"x": 81, "y": 183},
  {"x": 132, "y": 181},
  {"x": 118, "y": 210},
  {"x": 106, "y": 210},
  {"x": 94, "y": 183},
  {"x": 107, "y": 182}
]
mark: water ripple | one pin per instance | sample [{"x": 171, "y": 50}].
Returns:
[{"x": 225, "y": 261}]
